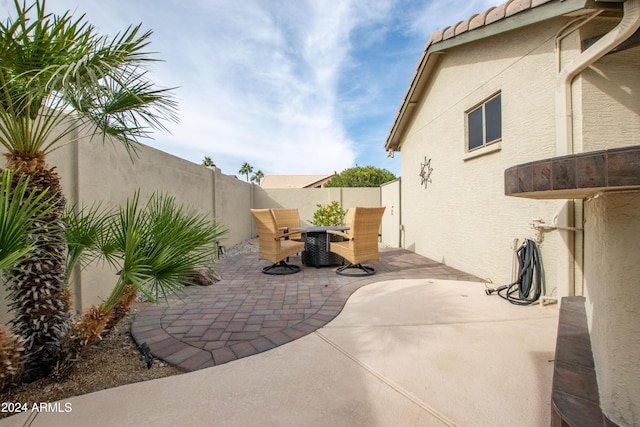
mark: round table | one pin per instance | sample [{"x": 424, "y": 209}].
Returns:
[{"x": 316, "y": 245}]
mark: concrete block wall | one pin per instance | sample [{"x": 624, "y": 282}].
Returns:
[{"x": 93, "y": 172}]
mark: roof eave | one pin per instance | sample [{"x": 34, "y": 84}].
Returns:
[{"x": 437, "y": 47}]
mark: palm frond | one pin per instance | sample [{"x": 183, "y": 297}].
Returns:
[
  {"x": 87, "y": 235},
  {"x": 19, "y": 211},
  {"x": 51, "y": 65},
  {"x": 161, "y": 244}
]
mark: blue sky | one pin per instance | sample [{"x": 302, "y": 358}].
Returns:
[{"x": 291, "y": 87}]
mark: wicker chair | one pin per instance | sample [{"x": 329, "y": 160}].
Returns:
[
  {"x": 360, "y": 241},
  {"x": 286, "y": 220},
  {"x": 273, "y": 246}
]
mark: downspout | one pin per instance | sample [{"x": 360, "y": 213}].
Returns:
[
  {"x": 564, "y": 127},
  {"x": 628, "y": 25}
]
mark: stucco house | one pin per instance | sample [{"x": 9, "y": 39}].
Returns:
[{"x": 523, "y": 121}]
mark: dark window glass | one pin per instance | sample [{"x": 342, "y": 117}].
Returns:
[
  {"x": 493, "y": 119},
  {"x": 476, "y": 131}
]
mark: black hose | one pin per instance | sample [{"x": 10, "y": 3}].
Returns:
[{"x": 528, "y": 287}]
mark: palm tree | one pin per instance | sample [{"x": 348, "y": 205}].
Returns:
[
  {"x": 19, "y": 214},
  {"x": 208, "y": 162},
  {"x": 246, "y": 169},
  {"x": 257, "y": 177},
  {"x": 156, "y": 247},
  {"x": 61, "y": 81}
]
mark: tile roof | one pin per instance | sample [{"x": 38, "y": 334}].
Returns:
[
  {"x": 493, "y": 15},
  {"x": 489, "y": 16}
]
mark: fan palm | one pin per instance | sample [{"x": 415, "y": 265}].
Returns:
[
  {"x": 208, "y": 162},
  {"x": 246, "y": 169},
  {"x": 60, "y": 81},
  {"x": 156, "y": 247},
  {"x": 20, "y": 213},
  {"x": 257, "y": 177}
]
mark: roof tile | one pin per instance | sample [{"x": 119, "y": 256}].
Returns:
[
  {"x": 479, "y": 20},
  {"x": 464, "y": 25},
  {"x": 436, "y": 37},
  {"x": 517, "y": 6},
  {"x": 497, "y": 13},
  {"x": 449, "y": 32}
]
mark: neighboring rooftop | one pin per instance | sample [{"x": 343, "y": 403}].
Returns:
[{"x": 295, "y": 181}]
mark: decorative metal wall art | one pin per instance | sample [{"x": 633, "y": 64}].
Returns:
[{"x": 425, "y": 172}]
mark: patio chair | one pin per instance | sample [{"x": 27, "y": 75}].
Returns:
[
  {"x": 287, "y": 219},
  {"x": 360, "y": 242},
  {"x": 273, "y": 246}
]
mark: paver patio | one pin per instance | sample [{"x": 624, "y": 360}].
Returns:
[{"x": 248, "y": 312}]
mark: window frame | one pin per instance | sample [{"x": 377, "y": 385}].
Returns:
[{"x": 486, "y": 146}]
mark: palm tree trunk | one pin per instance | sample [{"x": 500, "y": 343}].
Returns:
[
  {"x": 38, "y": 293},
  {"x": 11, "y": 358},
  {"x": 127, "y": 298},
  {"x": 92, "y": 325}
]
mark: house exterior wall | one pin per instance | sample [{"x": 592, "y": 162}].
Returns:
[
  {"x": 610, "y": 106},
  {"x": 462, "y": 218},
  {"x": 610, "y": 117},
  {"x": 612, "y": 291}
]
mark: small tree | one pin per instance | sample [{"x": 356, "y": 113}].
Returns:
[
  {"x": 331, "y": 214},
  {"x": 246, "y": 169},
  {"x": 156, "y": 247},
  {"x": 361, "y": 176}
]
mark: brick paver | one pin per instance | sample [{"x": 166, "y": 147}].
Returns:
[{"x": 247, "y": 312}]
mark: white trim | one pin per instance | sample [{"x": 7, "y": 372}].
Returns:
[{"x": 487, "y": 149}]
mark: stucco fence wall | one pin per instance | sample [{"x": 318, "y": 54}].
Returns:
[{"x": 95, "y": 173}]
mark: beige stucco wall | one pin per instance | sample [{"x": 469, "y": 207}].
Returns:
[
  {"x": 94, "y": 173},
  {"x": 612, "y": 290},
  {"x": 233, "y": 199},
  {"x": 391, "y": 219},
  {"x": 306, "y": 199},
  {"x": 610, "y": 106},
  {"x": 610, "y": 117},
  {"x": 463, "y": 218}
]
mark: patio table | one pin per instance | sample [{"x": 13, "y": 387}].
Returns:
[{"x": 316, "y": 245}]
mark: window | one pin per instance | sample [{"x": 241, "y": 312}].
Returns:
[{"x": 484, "y": 124}]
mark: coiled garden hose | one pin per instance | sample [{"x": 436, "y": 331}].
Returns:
[{"x": 528, "y": 287}]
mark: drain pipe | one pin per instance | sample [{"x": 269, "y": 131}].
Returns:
[
  {"x": 628, "y": 25},
  {"x": 564, "y": 128}
]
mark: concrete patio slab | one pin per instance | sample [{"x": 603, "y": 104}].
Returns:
[{"x": 419, "y": 352}]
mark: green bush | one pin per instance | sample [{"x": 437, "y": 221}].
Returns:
[{"x": 331, "y": 214}]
